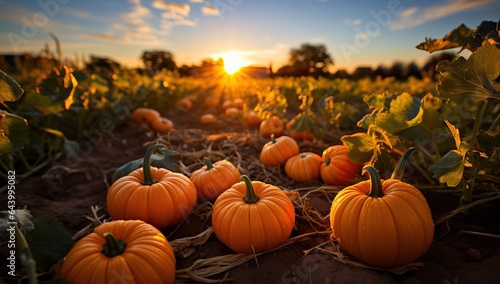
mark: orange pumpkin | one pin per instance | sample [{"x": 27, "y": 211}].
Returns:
[
  {"x": 277, "y": 151},
  {"x": 119, "y": 252},
  {"x": 303, "y": 166},
  {"x": 251, "y": 118},
  {"x": 211, "y": 101},
  {"x": 383, "y": 223},
  {"x": 208, "y": 119},
  {"x": 337, "y": 168},
  {"x": 298, "y": 135},
  {"x": 232, "y": 112},
  {"x": 236, "y": 103},
  {"x": 213, "y": 179},
  {"x": 253, "y": 216},
  {"x": 184, "y": 104},
  {"x": 162, "y": 124},
  {"x": 155, "y": 195},
  {"x": 144, "y": 115},
  {"x": 270, "y": 126}
]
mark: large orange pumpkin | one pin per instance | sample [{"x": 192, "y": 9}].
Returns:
[
  {"x": 303, "y": 166},
  {"x": 277, "y": 151},
  {"x": 383, "y": 223},
  {"x": 337, "y": 168},
  {"x": 271, "y": 126},
  {"x": 120, "y": 252},
  {"x": 155, "y": 195},
  {"x": 213, "y": 179},
  {"x": 253, "y": 216}
]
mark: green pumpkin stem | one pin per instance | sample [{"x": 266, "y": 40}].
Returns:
[
  {"x": 328, "y": 160},
  {"x": 375, "y": 182},
  {"x": 113, "y": 246},
  {"x": 250, "y": 196},
  {"x": 146, "y": 165},
  {"x": 273, "y": 138},
  {"x": 208, "y": 163},
  {"x": 400, "y": 166}
]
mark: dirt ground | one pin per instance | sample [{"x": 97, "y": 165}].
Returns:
[{"x": 69, "y": 188}]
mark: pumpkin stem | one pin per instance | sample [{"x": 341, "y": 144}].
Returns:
[
  {"x": 113, "y": 246},
  {"x": 328, "y": 160},
  {"x": 208, "y": 163},
  {"x": 273, "y": 138},
  {"x": 250, "y": 196},
  {"x": 400, "y": 166},
  {"x": 375, "y": 182},
  {"x": 146, "y": 165}
]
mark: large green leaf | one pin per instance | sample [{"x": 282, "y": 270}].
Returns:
[
  {"x": 10, "y": 90},
  {"x": 450, "y": 168},
  {"x": 404, "y": 112},
  {"x": 361, "y": 147},
  {"x": 14, "y": 132},
  {"x": 49, "y": 242},
  {"x": 468, "y": 82}
]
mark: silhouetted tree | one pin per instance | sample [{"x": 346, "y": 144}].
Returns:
[
  {"x": 412, "y": 70},
  {"x": 381, "y": 71},
  {"x": 429, "y": 68},
  {"x": 102, "y": 64},
  {"x": 396, "y": 70},
  {"x": 362, "y": 72},
  {"x": 157, "y": 60},
  {"x": 308, "y": 60},
  {"x": 185, "y": 70}
]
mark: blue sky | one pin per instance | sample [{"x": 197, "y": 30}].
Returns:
[{"x": 355, "y": 33}]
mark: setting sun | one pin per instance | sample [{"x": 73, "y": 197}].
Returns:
[{"x": 233, "y": 61}]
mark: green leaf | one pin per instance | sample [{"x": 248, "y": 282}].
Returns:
[
  {"x": 455, "y": 133},
  {"x": 458, "y": 37},
  {"x": 450, "y": 168},
  {"x": 14, "y": 132},
  {"x": 383, "y": 163},
  {"x": 376, "y": 101},
  {"x": 404, "y": 112},
  {"x": 49, "y": 242},
  {"x": 468, "y": 82},
  {"x": 488, "y": 141},
  {"x": 160, "y": 161},
  {"x": 361, "y": 147},
  {"x": 10, "y": 90}
]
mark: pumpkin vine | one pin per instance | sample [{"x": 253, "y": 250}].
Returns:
[
  {"x": 113, "y": 246},
  {"x": 400, "y": 166},
  {"x": 146, "y": 165},
  {"x": 250, "y": 196}
]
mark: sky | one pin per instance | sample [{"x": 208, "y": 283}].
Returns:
[{"x": 260, "y": 32}]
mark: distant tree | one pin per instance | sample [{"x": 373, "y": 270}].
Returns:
[
  {"x": 362, "y": 72},
  {"x": 157, "y": 60},
  {"x": 99, "y": 64},
  {"x": 397, "y": 70},
  {"x": 308, "y": 60},
  {"x": 429, "y": 68},
  {"x": 381, "y": 71},
  {"x": 185, "y": 70},
  {"x": 412, "y": 70}
]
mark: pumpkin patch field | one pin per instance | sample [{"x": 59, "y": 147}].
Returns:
[{"x": 122, "y": 177}]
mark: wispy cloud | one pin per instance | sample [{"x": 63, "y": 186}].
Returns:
[
  {"x": 182, "y": 9},
  {"x": 107, "y": 37},
  {"x": 75, "y": 12},
  {"x": 415, "y": 16},
  {"x": 353, "y": 22},
  {"x": 196, "y": 1},
  {"x": 209, "y": 10}
]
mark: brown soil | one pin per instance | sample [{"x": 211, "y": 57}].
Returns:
[{"x": 69, "y": 188}]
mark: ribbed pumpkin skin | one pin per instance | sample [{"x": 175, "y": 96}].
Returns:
[
  {"x": 271, "y": 126},
  {"x": 165, "y": 203},
  {"x": 210, "y": 183},
  {"x": 147, "y": 258},
  {"x": 337, "y": 168},
  {"x": 276, "y": 152},
  {"x": 263, "y": 225},
  {"x": 385, "y": 232},
  {"x": 303, "y": 167}
]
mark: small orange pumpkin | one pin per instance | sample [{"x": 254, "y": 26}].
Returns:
[
  {"x": 120, "y": 251},
  {"x": 303, "y": 166},
  {"x": 337, "y": 168},
  {"x": 383, "y": 223},
  {"x": 184, "y": 104},
  {"x": 272, "y": 125},
  {"x": 208, "y": 118},
  {"x": 213, "y": 179},
  {"x": 157, "y": 196},
  {"x": 236, "y": 103},
  {"x": 232, "y": 112},
  {"x": 162, "y": 124},
  {"x": 144, "y": 115},
  {"x": 277, "y": 151},
  {"x": 253, "y": 216},
  {"x": 297, "y": 134},
  {"x": 251, "y": 118}
]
